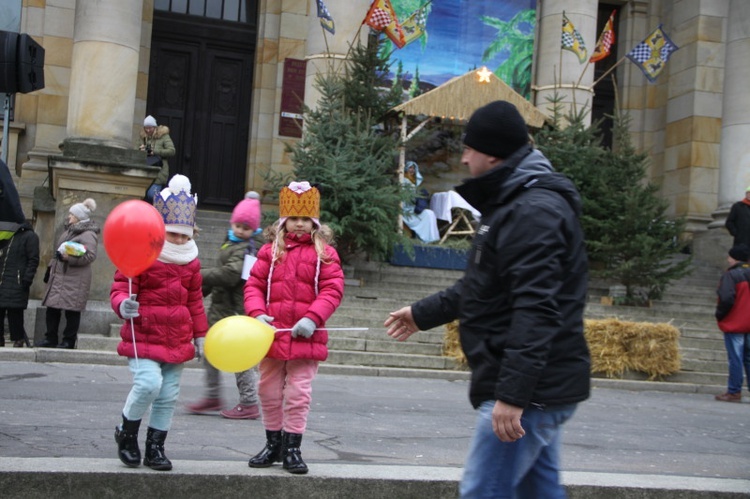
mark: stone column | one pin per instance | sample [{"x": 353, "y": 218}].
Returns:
[
  {"x": 734, "y": 169},
  {"x": 734, "y": 150},
  {"x": 104, "y": 71},
  {"x": 556, "y": 70},
  {"x": 98, "y": 159},
  {"x": 326, "y": 53}
]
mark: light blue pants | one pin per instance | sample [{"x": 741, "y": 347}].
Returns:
[
  {"x": 155, "y": 385},
  {"x": 524, "y": 469}
]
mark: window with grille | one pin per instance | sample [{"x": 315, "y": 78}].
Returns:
[{"x": 226, "y": 10}]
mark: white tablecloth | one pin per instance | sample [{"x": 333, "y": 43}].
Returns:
[{"x": 442, "y": 203}]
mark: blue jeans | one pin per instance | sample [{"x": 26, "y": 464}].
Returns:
[
  {"x": 738, "y": 355},
  {"x": 155, "y": 385},
  {"x": 524, "y": 469}
]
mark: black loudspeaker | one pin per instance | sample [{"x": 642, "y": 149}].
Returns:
[
  {"x": 8, "y": 51},
  {"x": 21, "y": 63},
  {"x": 30, "y": 64}
]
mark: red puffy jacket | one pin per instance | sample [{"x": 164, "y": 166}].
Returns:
[
  {"x": 171, "y": 312},
  {"x": 293, "y": 296}
]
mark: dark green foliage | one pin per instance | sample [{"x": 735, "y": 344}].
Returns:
[
  {"x": 366, "y": 87},
  {"x": 345, "y": 152},
  {"x": 628, "y": 234}
]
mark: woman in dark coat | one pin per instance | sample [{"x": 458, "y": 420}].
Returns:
[
  {"x": 19, "y": 259},
  {"x": 70, "y": 275}
]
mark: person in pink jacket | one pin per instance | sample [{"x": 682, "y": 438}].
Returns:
[
  {"x": 165, "y": 326},
  {"x": 295, "y": 286}
]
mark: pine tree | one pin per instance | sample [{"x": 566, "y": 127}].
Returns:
[
  {"x": 366, "y": 86},
  {"x": 629, "y": 237},
  {"x": 345, "y": 152},
  {"x": 640, "y": 239},
  {"x": 414, "y": 89}
]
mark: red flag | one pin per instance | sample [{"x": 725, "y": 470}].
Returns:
[
  {"x": 382, "y": 17},
  {"x": 606, "y": 40}
]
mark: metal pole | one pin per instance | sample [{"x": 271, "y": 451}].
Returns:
[{"x": 6, "y": 123}]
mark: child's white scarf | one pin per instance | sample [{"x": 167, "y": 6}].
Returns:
[{"x": 179, "y": 254}]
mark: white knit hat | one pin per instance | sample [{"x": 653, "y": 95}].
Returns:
[
  {"x": 149, "y": 121},
  {"x": 82, "y": 211}
]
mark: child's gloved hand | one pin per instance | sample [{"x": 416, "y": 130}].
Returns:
[
  {"x": 129, "y": 308},
  {"x": 199, "y": 342},
  {"x": 265, "y": 319},
  {"x": 305, "y": 327}
]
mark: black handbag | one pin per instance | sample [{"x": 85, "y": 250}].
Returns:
[{"x": 154, "y": 160}]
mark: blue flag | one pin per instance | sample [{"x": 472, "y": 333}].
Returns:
[{"x": 325, "y": 18}]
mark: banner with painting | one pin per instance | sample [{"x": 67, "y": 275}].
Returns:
[{"x": 451, "y": 37}]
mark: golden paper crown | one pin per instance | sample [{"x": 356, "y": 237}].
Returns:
[{"x": 299, "y": 200}]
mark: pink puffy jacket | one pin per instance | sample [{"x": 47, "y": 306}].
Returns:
[
  {"x": 171, "y": 312},
  {"x": 293, "y": 296}
]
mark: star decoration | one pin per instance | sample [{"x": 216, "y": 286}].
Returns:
[{"x": 484, "y": 74}]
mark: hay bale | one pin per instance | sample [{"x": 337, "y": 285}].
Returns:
[
  {"x": 617, "y": 346},
  {"x": 452, "y": 344},
  {"x": 608, "y": 352}
]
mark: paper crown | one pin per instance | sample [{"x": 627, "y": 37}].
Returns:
[
  {"x": 177, "y": 206},
  {"x": 299, "y": 199}
]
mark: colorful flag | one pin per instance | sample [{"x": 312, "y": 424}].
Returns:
[
  {"x": 606, "y": 40},
  {"x": 415, "y": 26},
  {"x": 382, "y": 17},
  {"x": 325, "y": 18},
  {"x": 652, "y": 54},
  {"x": 572, "y": 39}
]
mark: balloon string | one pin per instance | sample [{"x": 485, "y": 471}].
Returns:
[
  {"x": 331, "y": 329},
  {"x": 132, "y": 325}
]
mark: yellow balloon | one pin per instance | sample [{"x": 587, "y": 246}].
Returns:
[{"x": 237, "y": 343}]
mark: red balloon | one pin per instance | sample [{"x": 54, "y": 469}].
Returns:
[{"x": 133, "y": 236}]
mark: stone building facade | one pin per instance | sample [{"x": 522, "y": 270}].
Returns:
[{"x": 76, "y": 134}]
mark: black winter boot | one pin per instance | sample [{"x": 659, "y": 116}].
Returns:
[
  {"x": 126, "y": 436},
  {"x": 292, "y": 455},
  {"x": 155, "y": 457},
  {"x": 270, "y": 454}
]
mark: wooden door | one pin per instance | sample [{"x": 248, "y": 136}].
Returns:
[{"x": 200, "y": 85}]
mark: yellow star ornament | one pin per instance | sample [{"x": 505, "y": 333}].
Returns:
[{"x": 484, "y": 75}]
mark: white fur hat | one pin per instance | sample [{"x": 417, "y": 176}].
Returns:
[{"x": 82, "y": 211}]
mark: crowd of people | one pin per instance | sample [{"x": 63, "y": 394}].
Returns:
[{"x": 519, "y": 304}]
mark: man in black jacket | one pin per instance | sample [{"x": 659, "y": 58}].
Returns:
[
  {"x": 520, "y": 308},
  {"x": 738, "y": 220}
]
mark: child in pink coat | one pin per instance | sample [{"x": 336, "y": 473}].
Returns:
[
  {"x": 165, "y": 326},
  {"x": 295, "y": 286}
]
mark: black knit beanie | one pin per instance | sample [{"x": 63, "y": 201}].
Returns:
[
  {"x": 740, "y": 252},
  {"x": 497, "y": 129}
]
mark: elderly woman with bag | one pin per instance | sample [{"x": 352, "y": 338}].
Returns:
[{"x": 68, "y": 275}]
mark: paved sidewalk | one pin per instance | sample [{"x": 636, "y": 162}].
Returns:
[{"x": 69, "y": 411}]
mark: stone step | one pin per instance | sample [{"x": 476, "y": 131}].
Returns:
[
  {"x": 702, "y": 354},
  {"x": 382, "y": 345},
  {"x": 705, "y": 366},
  {"x": 696, "y": 378},
  {"x": 376, "y": 359}
]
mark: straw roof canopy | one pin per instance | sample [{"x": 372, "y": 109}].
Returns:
[{"x": 457, "y": 98}]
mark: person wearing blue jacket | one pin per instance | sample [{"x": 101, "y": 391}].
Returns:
[{"x": 520, "y": 308}]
